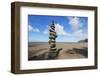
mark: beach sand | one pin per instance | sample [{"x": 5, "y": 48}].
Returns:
[{"x": 69, "y": 50}]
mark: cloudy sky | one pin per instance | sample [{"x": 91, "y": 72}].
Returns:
[{"x": 68, "y": 28}]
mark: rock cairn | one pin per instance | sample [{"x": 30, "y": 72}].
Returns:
[{"x": 53, "y": 51}]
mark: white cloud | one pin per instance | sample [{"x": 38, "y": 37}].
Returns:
[
  {"x": 75, "y": 23},
  {"x": 76, "y": 26},
  {"x": 80, "y": 34},
  {"x": 46, "y": 31},
  {"x": 60, "y": 30},
  {"x": 32, "y": 29}
]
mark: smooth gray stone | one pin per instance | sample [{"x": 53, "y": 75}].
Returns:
[
  {"x": 52, "y": 41},
  {"x": 52, "y": 33},
  {"x": 54, "y": 54},
  {"x": 51, "y": 30},
  {"x": 53, "y": 45},
  {"x": 52, "y": 37},
  {"x": 53, "y": 49},
  {"x": 52, "y": 26}
]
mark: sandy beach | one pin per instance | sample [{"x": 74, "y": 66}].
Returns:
[{"x": 69, "y": 50}]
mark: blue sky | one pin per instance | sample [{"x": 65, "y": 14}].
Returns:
[{"x": 68, "y": 28}]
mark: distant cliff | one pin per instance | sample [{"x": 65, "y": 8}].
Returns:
[{"x": 85, "y": 40}]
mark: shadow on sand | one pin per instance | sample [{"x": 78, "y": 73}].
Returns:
[
  {"x": 46, "y": 55},
  {"x": 83, "y": 51}
]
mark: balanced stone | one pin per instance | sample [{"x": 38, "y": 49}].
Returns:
[
  {"x": 53, "y": 51},
  {"x": 52, "y": 37}
]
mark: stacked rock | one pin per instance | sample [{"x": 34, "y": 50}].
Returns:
[{"x": 52, "y": 41}]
